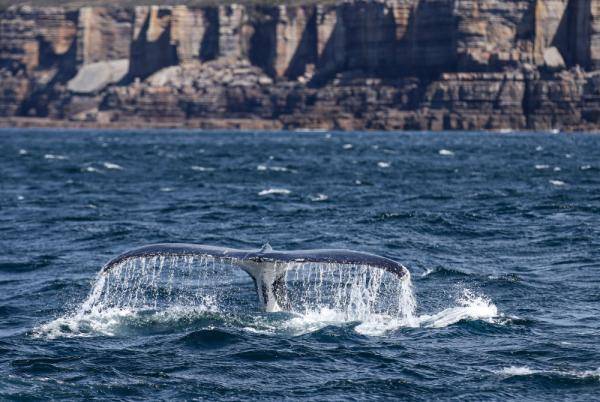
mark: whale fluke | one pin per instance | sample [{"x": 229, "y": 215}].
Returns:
[{"x": 266, "y": 266}]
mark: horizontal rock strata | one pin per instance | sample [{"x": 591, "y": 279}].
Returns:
[{"x": 381, "y": 65}]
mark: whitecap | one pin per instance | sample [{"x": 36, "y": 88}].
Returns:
[
  {"x": 272, "y": 168},
  {"x": 166, "y": 189},
  {"x": 20, "y": 198},
  {"x": 557, "y": 169},
  {"x": 57, "y": 157},
  {"x": 515, "y": 371},
  {"x": 586, "y": 167},
  {"x": 428, "y": 271},
  {"x": 348, "y": 146},
  {"x": 275, "y": 191},
  {"x": 112, "y": 166},
  {"x": 445, "y": 152},
  {"x": 23, "y": 152},
  {"x": 319, "y": 197},
  {"x": 539, "y": 148},
  {"x": 383, "y": 165},
  {"x": 91, "y": 169},
  {"x": 557, "y": 183},
  {"x": 202, "y": 169},
  {"x": 542, "y": 167}
]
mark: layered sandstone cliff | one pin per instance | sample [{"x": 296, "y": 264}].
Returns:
[{"x": 386, "y": 64}]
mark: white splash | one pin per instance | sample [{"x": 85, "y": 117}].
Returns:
[
  {"x": 445, "y": 152},
  {"x": 375, "y": 300},
  {"x": 471, "y": 307},
  {"x": 347, "y": 146},
  {"x": 542, "y": 167},
  {"x": 558, "y": 183},
  {"x": 162, "y": 290},
  {"x": 274, "y": 191},
  {"x": 383, "y": 165},
  {"x": 156, "y": 289}
]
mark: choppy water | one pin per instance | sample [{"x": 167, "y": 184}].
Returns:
[{"x": 501, "y": 234}]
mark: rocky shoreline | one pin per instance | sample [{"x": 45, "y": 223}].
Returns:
[{"x": 356, "y": 65}]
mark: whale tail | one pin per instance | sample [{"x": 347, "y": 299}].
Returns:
[{"x": 266, "y": 267}]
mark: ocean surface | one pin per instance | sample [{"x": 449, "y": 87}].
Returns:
[{"x": 501, "y": 234}]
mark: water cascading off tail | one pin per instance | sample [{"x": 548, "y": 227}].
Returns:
[{"x": 313, "y": 281}]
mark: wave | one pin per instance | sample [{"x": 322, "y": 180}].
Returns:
[
  {"x": 274, "y": 191},
  {"x": 57, "y": 157},
  {"x": 319, "y": 197},
  {"x": 522, "y": 371},
  {"x": 273, "y": 168},
  {"x": 112, "y": 166},
  {"x": 202, "y": 168}
]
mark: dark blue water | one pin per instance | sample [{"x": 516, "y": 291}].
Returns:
[{"x": 501, "y": 234}]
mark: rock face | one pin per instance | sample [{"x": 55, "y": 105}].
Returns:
[
  {"x": 103, "y": 34},
  {"x": 357, "y": 64},
  {"x": 94, "y": 77}
]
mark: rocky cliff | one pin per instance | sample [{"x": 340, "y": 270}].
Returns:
[{"x": 386, "y": 64}]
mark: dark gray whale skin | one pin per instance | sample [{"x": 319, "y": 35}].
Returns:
[{"x": 265, "y": 254}]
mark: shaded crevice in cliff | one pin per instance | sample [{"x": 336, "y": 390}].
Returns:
[
  {"x": 152, "y": 49},
  {"x": 209, "y": 46},
  {"x": 305, "y": 55},
  {"x": 263, "y": 43},
  {"x": 577, "y": 34}
]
